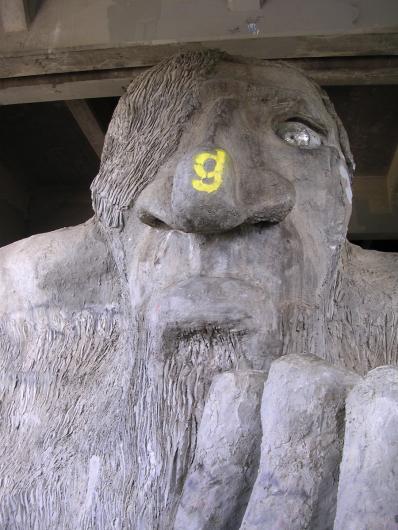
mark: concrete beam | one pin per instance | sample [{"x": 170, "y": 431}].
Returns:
[
  {"x": 245, "y": 5},
  {"x": 330, "y": 71},
  {"x": 108, "y": 83},
  {"x": 14, "y": 15},
  {"x": 81, "y": 59},
  {"x": 88, "y": 124}
]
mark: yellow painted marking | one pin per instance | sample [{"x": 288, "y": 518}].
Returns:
[{"x": 209, "y": 181}]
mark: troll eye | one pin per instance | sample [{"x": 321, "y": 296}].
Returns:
[{"x": 299, "y": 134}]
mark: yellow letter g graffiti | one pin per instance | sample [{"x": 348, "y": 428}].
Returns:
[{"x": 209, "y": 167}]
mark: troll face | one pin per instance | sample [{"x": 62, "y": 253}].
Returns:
[{"x": 230, "y": 180}]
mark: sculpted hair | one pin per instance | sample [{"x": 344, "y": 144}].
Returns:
[
  {"x": 145, "y": 130},
  {"x": 147, "y": 124}
]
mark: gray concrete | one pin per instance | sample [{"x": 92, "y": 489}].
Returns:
[
  {"x": 107, "y": 22},
  {"x": 133, "y": 347},
  {"x": 302, "y": 419},
  {"x": 121, "y": 33},
  {"x": 368, "y": 487},
  {"x": 219, "y": 482}
]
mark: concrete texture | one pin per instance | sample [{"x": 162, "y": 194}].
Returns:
[
  {"x": 134, "y": 347},
  {"x": 302, "y": 416},
  {"x": 126, "y": 33},
  {"x": 368, "y": 487},
  {"x": 106, "y": 22},
  {"x": 220, "y": 480}
]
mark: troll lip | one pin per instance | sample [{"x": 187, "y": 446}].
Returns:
[{"x": 202, "y": 301}]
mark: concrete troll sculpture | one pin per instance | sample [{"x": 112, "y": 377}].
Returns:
[{"x": 208, "y": 351}]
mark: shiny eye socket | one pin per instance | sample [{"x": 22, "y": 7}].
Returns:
[{"x": 298, "y": 134}]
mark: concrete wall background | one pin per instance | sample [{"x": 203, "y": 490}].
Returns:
[{"x": 61, "y": 24}]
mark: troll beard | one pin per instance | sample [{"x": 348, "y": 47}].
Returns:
[
  {"x": 169, "y": 393},
  {"x": 171, "y": 377}
]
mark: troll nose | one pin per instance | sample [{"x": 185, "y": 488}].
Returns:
[{"x": 207, "y": 195}]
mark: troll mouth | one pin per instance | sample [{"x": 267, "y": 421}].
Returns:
[{"x": 200, "y": 302}]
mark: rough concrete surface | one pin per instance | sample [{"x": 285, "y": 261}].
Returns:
[
  {"x": 303, "y": 432},
  {"x": 368, "y": 487},
  {"x": 134, "y": 347},
  {"x": 220, "y": 480}
]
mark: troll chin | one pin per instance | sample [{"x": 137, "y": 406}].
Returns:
[
  {"x": 175, "y": 366},
  {"x": 200, "y": 308}
]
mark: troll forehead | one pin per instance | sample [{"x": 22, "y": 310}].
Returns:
[
  {"x": 278, "y": 99},
  {"x": 149, "y": 119},
  {"x": 264, "y": 73}
]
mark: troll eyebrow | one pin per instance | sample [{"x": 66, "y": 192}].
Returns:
[
  {"x": 225, "y": 88},
  {"x": 298, "y": 110},
  {"x": 294, "y": 106},
  {"x": 285, "y": 107}
]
